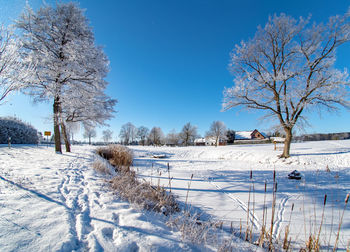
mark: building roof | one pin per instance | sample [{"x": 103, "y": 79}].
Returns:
[
  {"x": 243, "y": 135},
  {"x": 199, "y": 140},
  {"x": 247, "y": 135}
]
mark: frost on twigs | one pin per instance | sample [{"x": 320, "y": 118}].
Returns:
[{"x": 15, "y": 71}]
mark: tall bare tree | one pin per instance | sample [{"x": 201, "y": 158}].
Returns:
[
  {"x": 107, "y": 135},
  {"x": 188, "y": 134},
  {"x": 156, "y": 136},
  {"x": 142, "y": 133},
  {"x": 217, "y": 131},
  {"x": 172, "y": 138},
  {"x": 128, "y": 133},
  {"x": 288, "y": 68},
  {"x": 89, "y": 132}
]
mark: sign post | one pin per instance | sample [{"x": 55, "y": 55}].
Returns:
[{"x": 47, "y": 134}]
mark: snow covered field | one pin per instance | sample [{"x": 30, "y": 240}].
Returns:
[
  {"x": 221, "y": 184},
  {"x": 52, "y": 202}
]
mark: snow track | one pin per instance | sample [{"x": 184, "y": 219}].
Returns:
[
  {"x": 253, "y": 218},
  {"x": 277, "y": 227},
  {"x": 75, "y": 194},
  {"x": 57, "y": 202}
]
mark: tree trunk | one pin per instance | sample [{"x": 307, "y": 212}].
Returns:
[
  {"x": 89, "y": 139},
  {"x": 65, "y": 136},
  {"x": 287, "y": 143},
  {"x": 56, "y": 125}
]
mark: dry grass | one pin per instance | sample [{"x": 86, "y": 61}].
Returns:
[
  {"x": 101, "y": 166},
  {"x": 196, "y": 231},
  {"x": 119, "y": 156},
  {"x": 129, "y": 187},
  {"x": 143, "y": 193}
]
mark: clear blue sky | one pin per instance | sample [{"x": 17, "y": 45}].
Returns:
[{"x": 168, "y": 60}]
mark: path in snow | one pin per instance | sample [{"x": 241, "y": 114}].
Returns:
[{"x": 51, "y": 202}]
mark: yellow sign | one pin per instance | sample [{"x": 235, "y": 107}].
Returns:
[{"x": 47, "y": 133}]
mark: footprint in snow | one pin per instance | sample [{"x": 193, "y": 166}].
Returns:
[{"x": 107, "y": 233}]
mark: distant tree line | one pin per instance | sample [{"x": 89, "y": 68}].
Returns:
[
  {"x": 322, "y": 137},
  {"x": 132, "y": 135}
]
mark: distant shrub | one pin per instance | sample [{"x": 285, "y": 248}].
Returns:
[{"x": 20, "y": 132}]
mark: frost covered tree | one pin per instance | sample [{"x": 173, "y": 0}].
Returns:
[
  {"x": 287, "y": 68},
  {"x": 70, "y": 68},
  {"x": 156, "y": 136},
  {"x": 14, "y": 71},
  {"x": 188, "y": 134},
  {"x": 173, "y": 138},
  {"x": 107, "y": 135},
  {"x": 89, "y": 132},
  {"x": 217, "y": 131},
  {"x": 73, "y": 128},
  {"x": 142, "y": 133},
  {"x": 128, "y": 133}
]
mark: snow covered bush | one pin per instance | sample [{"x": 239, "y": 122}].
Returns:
[
  {"x": 20, "y": 132},
  {"x": 119, "y": 156}
]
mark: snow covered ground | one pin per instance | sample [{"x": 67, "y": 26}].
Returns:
[
  {"x": 51, "y": 202},
  {"x": 221, "y": 184}
]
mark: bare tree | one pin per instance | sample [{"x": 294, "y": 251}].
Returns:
[
  {"x": 156, "y": 136},
  {"x": 188, "y": 134},
  {"x": 107, "y": 135},
  {"x": 73, "y": 128},
  {"x": 89, "y": 132},
  {"x": 288, "y": 68},
  {"x": 128, "y": 133},
  {"x": 142, "y": 133},
  {"x": 172, "y": 138},
  {"x": 13, "y": 71},
  {"x": 217, "y": 131}
]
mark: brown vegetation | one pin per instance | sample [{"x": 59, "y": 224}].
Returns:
[{"x": 132, "y": 189}]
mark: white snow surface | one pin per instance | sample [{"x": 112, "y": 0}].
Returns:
[
  {"x": 221, "y": 184},
  {"x": 52, "y": 202}
]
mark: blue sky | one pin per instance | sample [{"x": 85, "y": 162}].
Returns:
[{"x": 168, "y": 60}]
